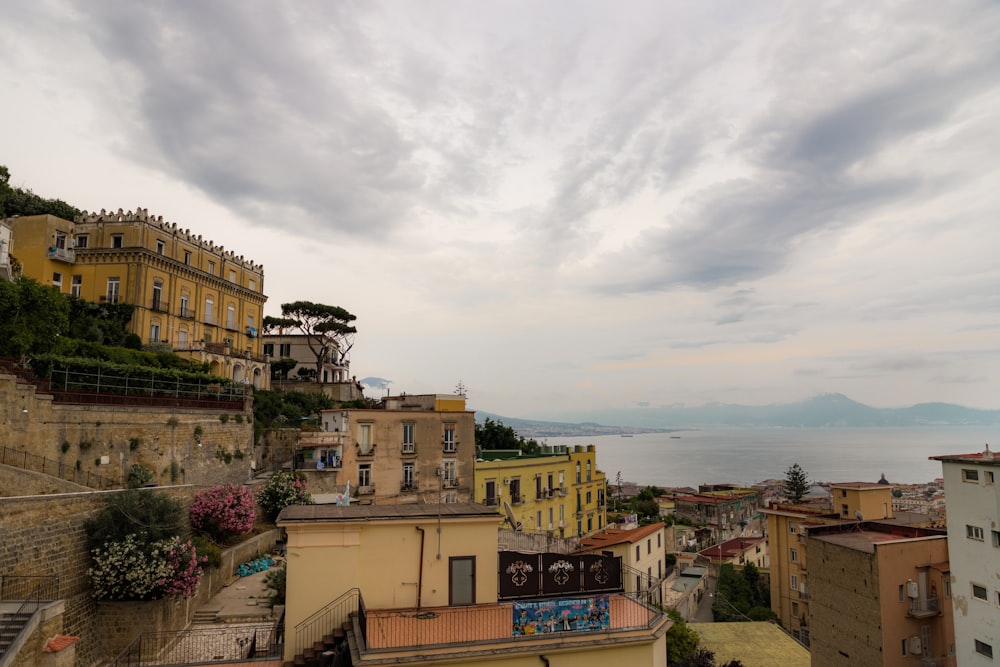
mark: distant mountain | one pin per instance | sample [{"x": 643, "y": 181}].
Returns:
[{"x": 829, "y": 410}]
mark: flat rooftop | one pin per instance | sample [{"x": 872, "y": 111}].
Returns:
[
  {"x": 757, "y": 644},
  {"x": 306, "y": 513}
]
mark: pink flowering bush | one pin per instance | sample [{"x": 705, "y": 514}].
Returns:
[
  {"x": 185, "y": 569},
  {"x": 224, "y": 511}
]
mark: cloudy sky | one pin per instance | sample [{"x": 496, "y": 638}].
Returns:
[{"x": 560, "y": 204}]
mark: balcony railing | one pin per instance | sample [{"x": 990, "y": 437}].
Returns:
[
  {"x": 159, "y": 305},
  {"x": 61, "y": 254},
  {"x": 186, "y": 312},
  {"x": 924, "y": 608},
  {"x": 231, "y": 644},
  {"x": 491, "y": 501}
]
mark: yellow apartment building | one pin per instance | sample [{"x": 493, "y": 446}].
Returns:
[
  {"x": 426, "y": 583},
  {"x": 412, "y": 449},
  {"x": 561, "y": 493},
  {"x": 204, "y": 301},
  {"x": 787, "y": 527},
  {"x": 880, "y": 595}
]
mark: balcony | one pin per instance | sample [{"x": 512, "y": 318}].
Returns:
[
  {"x": 491, "y": 501},
  {"x": 67, "y": 255},
  {"x": 186, "y": 313},
  {"x": 449, "y": 446},
  {"x": 366, "y": 490},
  {"x": 924, "y": 608},
  {"x": 409, "y": 448},
  {"x": 365, "y": 451},
  {"x": 516, "y": 499},
  {"x": 159, "y": 306},
  {"x": 408, "y": 487},
  {"x": 450, "y": 483}
]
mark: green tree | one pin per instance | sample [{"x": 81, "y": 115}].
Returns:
[
  {"x": 32, "y": 317},
  {"x": 327, "y": 329},
  {"x": 796, "y": 483},
  {"x": 280, "y": 368},
  {"x": 282, "y": 489},
  {"x": 644, "y": 504},
  {"x": 154, "y": 516},
  {"x": 682, "y": 640},
  {"x": 497, "y": 435},
  {"x": 741, "y": 595}
]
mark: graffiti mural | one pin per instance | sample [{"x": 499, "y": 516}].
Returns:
[{"x": 581, "y": 614}]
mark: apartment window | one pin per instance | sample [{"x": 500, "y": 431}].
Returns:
[
  {"x": 82, "y": 240},
  {"x": 209, "y": 310},
  {"x": 364, "y": 474},
  {"x": 160, "y": 247},
  {"x": 449, "y": 438},
  {"x": 157, "y": 295},
  {"x": 649, "y": 546},
  {"x": 843, "y": 493},
  {"x": 182, "y": 339},
  {"x": 659, "y": 540},
  {"x": 231, "y": 316},
  {"x": 903, "y": 642},
  {"x": 974, "y": 532},
  {"x": 114, "y": 285},
  {"x": 211, "y": 268},
  {"x": 185, "y": 305},
  {"x": 154, "y": 333},
  {"x": 251, "y": 321},
  {"x": 793, "y": 555},
  {"x": 232, "y": 276},
  {"x": 77, "y": 287},
  {"x": 117, "y": 240},
  {"x": 579, "y": 527},
  {"x": 982, "y": 648},
  {"x": 588, "y": 470},
  {"x": 795, "y": 609},
  {"x": 969, "y": 475},
  {"x": 408, "y": 443},
  {"x": 514, "y": 489},
  {"x": 843, "y": 510},
  {"x": 979, "y": 592},
  {"x": 996, "y": 537},
  {"x": 947, "y": 588},
  {"x": 902, "y": 593},
  {"x": 61, "y": 240},
  {"x": 590, "y": 524},
  {"x": 285, "y": 350},
  {"x": 579, "y": 501},
  {"x": 57, "y": 280},
  {"x": 252, "y": 284},
  {"x": 365, "y": 439},
  {"x": 578, "y": 472},
  {"x": 637, "y": 552},
  {"x": 408, "y": 476},
  {"x": 562, "y": 479},
  {"x": 551, "y": 513},
  {"x": 795, "y": 582},
  {"x": 449, "y": 473},
  {"x": 791, "y": 526},
  {"x": 269, "y": 349},
  {"x": 988, "y": 475},
  {"x": 187, "y": 257},
  {"x": 461, "y": 580},
  {"x": 589, "y": 497}
]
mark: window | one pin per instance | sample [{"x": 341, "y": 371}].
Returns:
[
  {"x": 82, "y": 240},
  {"x": 61, "y": 240},
  {"x": 974, "y": 532},
  {"x": 114, "y": 284},
  {"x": 843, "y": 510},
  {"x": 231, "y": 316},
  {"x": 187, "y": 257},
  {"x": 57, "y": 280},
  {"x": 996, "y": 537},
  {"x": 793, "y": 555},
  {"x": 795, "y": 609},
  {"x": 969, "y": 475},
  {"x": 843, "y": 493},
  {"x": 659, "y": 540},
  {"x": 182, "y": 339},
  {"x": 154, "y": 333},
  {"x": 982, "y": 648},
  {"x": 562, "y": 479},
  {"x": 590, "y": 497},
  {"x": 364, "y": 474},
  {"x": 408, "y": 445},
  {"x": 637, "y": 553},
  {"x": 947, "y": 588},
  {"x": 232, "y": 276},
  {"x": 252, "y": 284},
  {"x": 77, "y": 287},
  {"x": 450, "y": 479},
  {"x": 157, "y": 295},
  {"x": 902, "y": 593},
  {"x": 269, "y": 349},
  {"x": 649, "y": 546},
  {"x": 117, "y": 240},
  {"x": 904, "y": 646},
  {"x": 979, "y": 592},
  {"x": 461, "y": 580},
  {"x": 988, "y": 477},
  {"x": 185, "y": 306},
  {"x": 408, "y": 476},
  {"x": 588, "y": 470},
  {"x": 211, "y": 268},
  {"x": 160, "y": 247},
  {"x": 795, "y": 582},
  {"x": 550, "y": 517},
  {"x": 251, "y": 321},
  {"x": 579, "y": 501},
  {"x": 577, "y": 472},
  {"x": 791, "y": 526},
  {"x": 285, "y": 350},
  {"x": 449, "y": 437},
  {"x": 365, "y": 439}
]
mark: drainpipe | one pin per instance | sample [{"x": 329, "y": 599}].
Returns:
[
  {"x": 420, "y": 574},
  {"x": 543, "y": 659}
]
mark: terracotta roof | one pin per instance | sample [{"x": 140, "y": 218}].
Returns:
[
  {"x": 731, "y": 547},
  {"x": 59, "y": 642},
  {"x": 611, "y": 536}
]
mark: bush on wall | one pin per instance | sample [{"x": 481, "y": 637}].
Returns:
[{"x": 223, "y": 512}]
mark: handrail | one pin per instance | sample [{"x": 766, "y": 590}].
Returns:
[
  {"x": 40, "y": 464},
  {"x": 33, "y": 600},
  {"x": 321, "y": 622}
]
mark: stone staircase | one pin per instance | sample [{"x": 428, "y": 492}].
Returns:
[
  {"x": 11, "y": 625},
  {"x": 332, "y": 651},
  {"x": 205, "y": 616}
]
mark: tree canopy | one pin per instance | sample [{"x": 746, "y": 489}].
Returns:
[
  {"x": 796, "y": 483},
  {"x": 741, "y": 596},
  {"x": 32, "y": 317},
  {"x": 327, "y": 329},
  {"x": 497, "y": 435},
  {"x": 18, "y": 201}
]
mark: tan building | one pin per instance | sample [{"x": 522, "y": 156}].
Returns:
[
  {"x": 738, "y": 551},
  {"x": 335, "y": 367},
  {"x": 202, "y": 300},
  {"x": 786, "y": 531},
  {"x": 643, "y": 552},
  {"x": 413, "y": 449},
  {"x": 879, "y": 595},
  {"x": 426, "y": 583},
  {"x": 559, "y": 492},
  {"x": 727, "y": 512}
]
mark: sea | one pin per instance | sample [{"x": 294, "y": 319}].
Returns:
[{"x": 750, "y": 455}]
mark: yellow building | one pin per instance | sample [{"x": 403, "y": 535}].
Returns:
[
  {"x": 787, "y": 526},
  {"x": 412, "y": 449},
  {"x": 643, "y": 551},
  {"x": 202, "y": 300},
  {"x": 561, "y": 493},
  {"x": 426, "y": 583}
]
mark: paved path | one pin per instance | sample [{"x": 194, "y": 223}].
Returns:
[
  {"x": 243, "y": 600},
  {"x": 704, "y": 613}
]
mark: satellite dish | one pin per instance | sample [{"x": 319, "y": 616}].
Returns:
[
  {"x": 859, "y": 516},
  {"x": 509, "y": 513}
]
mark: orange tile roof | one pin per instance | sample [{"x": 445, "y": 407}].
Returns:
[{"x": 612, "y": 536}]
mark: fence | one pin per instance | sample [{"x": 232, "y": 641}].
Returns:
[
  {"x": 28, "y": 461},
  {"x": 232, "y": 643}
]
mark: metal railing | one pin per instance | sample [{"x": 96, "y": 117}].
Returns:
[
  {"x": 327, "y": 619},
  {"x": 27, "y": 461},
  {"x": 19, "y": 587},
  {"x": 13, "y": 624},
  {"x": 227, "y": 644}
]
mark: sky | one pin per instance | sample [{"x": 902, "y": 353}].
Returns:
[{"x": 561, "y": 205}]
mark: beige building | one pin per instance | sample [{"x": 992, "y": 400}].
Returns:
[
  {"x": 738, "y": 551},
  {"x": 335, "y": 367},
  {"x": 786, "y": 530},
  {"x": 426, "y": 583},
  {"x": 880, "y": 595},
  {"x": 203, "y": 301},
  {"x": 560, "y": 492},
  {"x": 413, "y": 449},
  {"x": 727, "y": 512},
  {"x": 643, "y": 552}
]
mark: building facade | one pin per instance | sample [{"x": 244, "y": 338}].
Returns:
[
  {"x": 560, "y": 492},
  {"x": 728, "y": 513},
  {"x": 643, "y": 552},
  {"x": 973, "y": 507},
  {"x": 203, "y": 301},
  {"x": 334, "y": 368},
  {"x": 880, "y": 595},
  {"x": 413, "y": 449},
  {"x": 426, "y": 583}
]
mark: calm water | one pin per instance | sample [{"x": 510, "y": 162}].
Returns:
[{"x": 749, "y": 455}]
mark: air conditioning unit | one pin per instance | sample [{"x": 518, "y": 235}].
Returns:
[
  {"x": 912, "y": 590},
  {"x": 914, "y": 645},
  {"x": 506, "y": 480}
]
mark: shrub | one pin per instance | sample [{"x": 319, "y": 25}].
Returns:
[
  {"x": 274, "y": 580},
  {"x": 224, "y": 418},
  {"x": 223, "y": 511},
  {"x": 185, "y": 569},
  {"x": 125, "y": 570},
  {"x": 208, "y": 549},
  {"x": 138, "y": 475},
  {"x": 152, "y": 516},
  {"x": 282, "y": 490}
]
